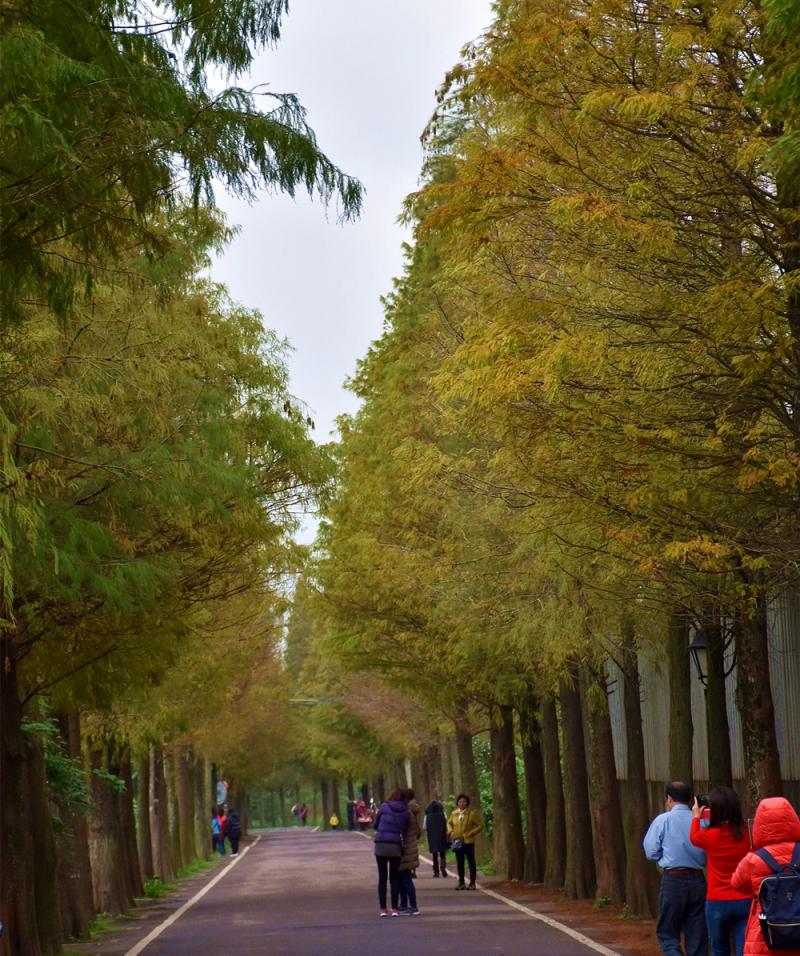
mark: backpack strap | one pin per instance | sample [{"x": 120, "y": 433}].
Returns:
[{"x": 770, "y": 860}]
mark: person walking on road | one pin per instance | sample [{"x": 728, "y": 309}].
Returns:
[
  {"x": 303, "y": 814},
  {"x": 682, "y": 898},
  {"x": 725, "y": 841},
  {"x": 234, "y": 831},
  {"x": 776, "y": 829},
  {"x": 221, "y": 829},
  {"x": 436, "y": 834},
  {"x": 391, "y": 823},
  {"x": 409, "y": 861},
  {"x": 463, "y": 825}
]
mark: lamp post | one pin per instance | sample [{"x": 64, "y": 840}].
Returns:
[{"x": 699, "y": 652}]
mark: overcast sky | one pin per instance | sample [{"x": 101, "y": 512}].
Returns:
[{"x": 366, "y": 71}]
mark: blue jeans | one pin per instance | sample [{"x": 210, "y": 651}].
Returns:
[
  {"x": 408, "y": 892},
  {"x": 681, "y": 909},
  {"x": 726, "y": 918}
]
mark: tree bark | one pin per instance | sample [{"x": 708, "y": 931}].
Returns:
[
  {"x": 159, "y": 823},
  {"x": 185, "y": 797},
  {"x": 17, "y": 895},
  {"x": 535, "y": 790},
  {"x": 144, "y": 842},
  {"x": 640, "y": 886},
  {"x": 201, "y": 779},
  {"x": 579, "y": 875},
  {"x": 127, "y": 824},
  {"x": 446, "y": 769},
  {"x": 46, "y": 891},
  {"x": 107, "y": 853},
  {"x": 173, "y": 814},
  {"x": 468, "y": 781},
  {"x": 324, "y": 787},
  {"x": 72, "y": 850},
  {"x": 556, "y": 826},
  {"x": 509, "y": 847},
  {"x": 754, "y": 700},
  {"x": 681, "y": 730},
  {"x": 720, "y": 768},
  {"x": 608, "y": 833}
]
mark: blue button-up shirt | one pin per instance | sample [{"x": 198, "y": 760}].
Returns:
[{"x": 667, "y": 840}]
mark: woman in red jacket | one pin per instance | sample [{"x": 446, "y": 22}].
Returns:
[
  {"x": 776, "y": 828},
  {"x": 725, "y": 841}
]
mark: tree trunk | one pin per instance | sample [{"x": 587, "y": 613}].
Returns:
[
  {"x": 446, "y": 769},
  {"x": 556, "y": 828},
  {"x": 17, "y": 899},
  {"x": 608, "y": 833},
  {"x": 45, "y": 880},
  {"x": 127, "y": 825},
  {"x": 720, "y": 768},
  {"x": 336, "y": 806},
  {"x": 468, "y": 782},
  {"x": 201, "y": 779},
  {"x": 640, "y": 886},
  {"x": 579, "y": 875},
  {"x": 535, "y": 790},
  {"x": 173, "y": 815},
  {"x": 284, "y": 808},
  {"x": 72, "y": 850},
  {"x": 681, "y": 730},
  {"x": 144, "y": 841},
  {"x": 106, "y": 851},
  {"x": 509, "y": 847},
  {"x": 159, "y": 823},
  {"x": 185, "y": 797},
  {"x": 324, "y": 785},
  {"x": 754, "y": 699}
]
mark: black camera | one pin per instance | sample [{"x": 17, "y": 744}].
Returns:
[{"x": 702, "y": 800}]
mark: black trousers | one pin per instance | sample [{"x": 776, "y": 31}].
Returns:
[
  {"x": 234, "y": 843},
  {"x": 439, "y": 862},
  {"x": 468, "y": 851},
  {"x": 388, "y": 865}
]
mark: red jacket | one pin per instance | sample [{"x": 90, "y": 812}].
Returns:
[
  {"x": 776, "y": 828},
  {"x": 723, "y": 852}
]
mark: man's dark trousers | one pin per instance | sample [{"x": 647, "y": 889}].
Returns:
[{"x": 681, "y": 908}]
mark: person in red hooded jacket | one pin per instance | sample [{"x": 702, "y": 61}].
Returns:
[{"x": 776, "y": 828}]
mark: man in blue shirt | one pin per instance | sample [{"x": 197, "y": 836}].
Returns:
[{"x": 681, "y": 902}]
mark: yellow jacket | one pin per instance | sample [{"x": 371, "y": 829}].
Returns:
[{"x": 464, "y": 826}]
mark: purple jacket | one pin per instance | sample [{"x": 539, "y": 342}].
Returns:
[{"x": 391, "y": 822}]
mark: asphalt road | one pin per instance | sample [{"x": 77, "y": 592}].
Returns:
[{"x": 315, "y": 894}]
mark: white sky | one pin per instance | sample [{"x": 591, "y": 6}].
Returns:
[{"x": 366, "y": 71}]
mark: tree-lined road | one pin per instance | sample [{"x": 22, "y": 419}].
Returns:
[{"x": 315, "y": 893}]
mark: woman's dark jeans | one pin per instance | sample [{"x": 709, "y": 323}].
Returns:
[
  {"x": 468, "y": 851},
  {"x": 388, "y": 865},
  {"x": 439, "y": 863},
  {"x": 408, "y": 892},
  {"x": 726, "y": 918}
]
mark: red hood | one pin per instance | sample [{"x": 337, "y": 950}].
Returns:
[{"x": 775, "y": 822}]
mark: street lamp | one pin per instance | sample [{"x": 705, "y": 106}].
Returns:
[{"x": 699, "y": 651}]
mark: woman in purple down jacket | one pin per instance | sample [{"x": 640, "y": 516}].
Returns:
[{"x": 390, "y": 825}]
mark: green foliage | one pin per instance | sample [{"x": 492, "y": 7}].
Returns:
[
  {"x": 67, "y": 783},
  {"x": 155, "y": 889}
]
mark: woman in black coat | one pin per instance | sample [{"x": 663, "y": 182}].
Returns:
[{"x": 436, "y": 830}]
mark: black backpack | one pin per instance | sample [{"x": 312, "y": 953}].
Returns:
[{"x": 779, "y": 898}]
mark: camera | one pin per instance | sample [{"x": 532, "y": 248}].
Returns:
[{"x": 702, "y": 800}]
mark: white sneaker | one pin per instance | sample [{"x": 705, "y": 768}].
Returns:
[{"x": 233, "y": 855}]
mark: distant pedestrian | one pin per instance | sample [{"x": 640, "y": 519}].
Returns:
[
  {"x": 682, "y": 898},
  {"x": 463, "y": 825},
  {"x": 436, "y": 834},
  {"x": 296, "y": 813},
  {"x": 351, "y": 814},
  {"x": 776, "y": 829},
  {"x": 391, "y": 822},
  {"x": 303, "y": 814},
  {"x": 234, "y": 831},
  {"x": 216, "y": 835},
  {"x": 725, "y": 841},
  {"x": 363, "y": 816},
  {"x": 334, "y": 822},
  {"x": 222, "y": 824},
  {"x": 409, "y": 861}
]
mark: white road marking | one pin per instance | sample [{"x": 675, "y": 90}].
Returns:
[{"x": 155, "y": 933}]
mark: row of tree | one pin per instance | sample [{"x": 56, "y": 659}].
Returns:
[
  {"x": 152, "y": 460},
  {"x": 579, "y": 439}
]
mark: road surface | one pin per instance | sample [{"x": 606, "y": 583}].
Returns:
[{"x": 315, "y": 894}]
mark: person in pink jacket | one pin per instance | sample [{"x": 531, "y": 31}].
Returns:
[{"x": 777, "y": 829}]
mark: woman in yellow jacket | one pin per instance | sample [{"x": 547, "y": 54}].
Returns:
[{"x": 463, "y": 825}]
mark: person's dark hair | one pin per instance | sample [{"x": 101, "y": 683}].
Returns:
[
  {"x": 679, "y": 791},
  {"x": 397, "y": 794},
  {"x": 726, "y": 807},
  {"x": 408, "y": 794},
  {"x": 462, "y": 796}
]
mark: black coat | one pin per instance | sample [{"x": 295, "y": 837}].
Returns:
[
  {"x": 234, "y": 828},
  {"x": 436, "y": 827}
]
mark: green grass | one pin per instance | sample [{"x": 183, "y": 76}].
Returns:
[
  {"x": 100, "y": 924},
  {"x": 196, "y": 866},
  {"x": 602, "y": 902},
  {"x": 626, "y": 914},
  {"x": 155, "y": 888},
  {"x": 487, "y": 868}
]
